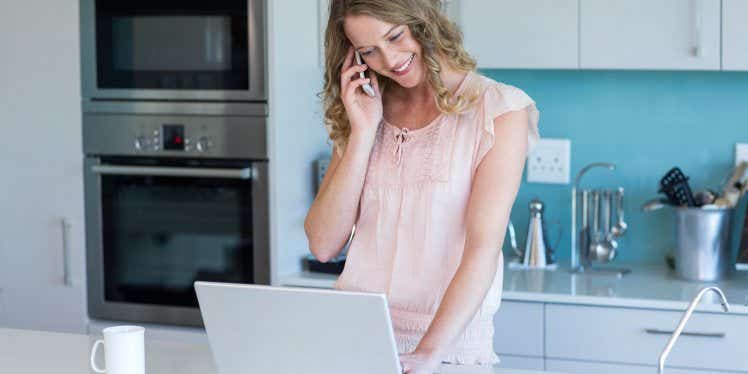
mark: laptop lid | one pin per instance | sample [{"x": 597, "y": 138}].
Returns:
[{"x": 266, "y": 329}]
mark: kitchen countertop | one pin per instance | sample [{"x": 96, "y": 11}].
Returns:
[
  {"x": 647, "y": 286},
  {"x": 40, "y": 352}
]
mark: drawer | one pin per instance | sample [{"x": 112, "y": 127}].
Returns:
[
  {"x": 580, "y": 367},
  {"x": 518, "y": 329},
  {"x": 620, "y": 335}
]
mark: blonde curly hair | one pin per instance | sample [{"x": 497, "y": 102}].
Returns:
[{"x": 437, "y": 35}]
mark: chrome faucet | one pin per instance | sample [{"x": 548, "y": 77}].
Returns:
[{"x": 682, "y": 324}]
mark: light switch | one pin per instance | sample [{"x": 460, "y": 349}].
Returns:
[{"x": 550, "y": 161}]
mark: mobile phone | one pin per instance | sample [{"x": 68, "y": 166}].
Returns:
[{"x": 366, "y": 86}]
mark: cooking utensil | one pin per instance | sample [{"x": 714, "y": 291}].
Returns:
[
  {"x": 675, "y": 186},
  {"x": 595, "y": 246},
  {"x": 654, "y": 204},
  {"x": 606, "y": 248},
  {"x": 584, "y": 232},
  {"x": 579, "y": 262},
  {"x": 620, "y": 227},
  {"x": 704, "y": 197},
  {"x": 733, "y": 183}
]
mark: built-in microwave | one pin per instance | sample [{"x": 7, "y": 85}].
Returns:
[{"x": 188, "y": 50}]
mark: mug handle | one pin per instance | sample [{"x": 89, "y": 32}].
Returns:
[{"x": 93, "y": 354}]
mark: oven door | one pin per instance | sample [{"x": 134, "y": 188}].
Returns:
[
  {"x": 155, "y": 227},
  {"x": 173, "y": 50}
]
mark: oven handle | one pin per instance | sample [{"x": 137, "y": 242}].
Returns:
[{"x": 161, "y": 171}]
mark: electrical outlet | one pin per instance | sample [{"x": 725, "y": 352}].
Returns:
[
  {"x": 550, "y": 161},
  {"x": 741, "y": 152}
]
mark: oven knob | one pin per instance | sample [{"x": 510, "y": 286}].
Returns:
[
  {"x": 141, "y": 142},
  {"x": 202, "y": 144}
]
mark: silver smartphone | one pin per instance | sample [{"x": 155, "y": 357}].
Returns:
[{"x": 366, "y": 86}]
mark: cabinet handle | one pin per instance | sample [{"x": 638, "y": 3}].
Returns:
[
  {"x": 66, "y": 279},
  {"x": 699, "y": 49},
  {"x": 718, "y": 335}
]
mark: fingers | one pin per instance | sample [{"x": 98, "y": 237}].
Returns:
[
  {"x": 374, "y": 81},
  {"x": 405, "y": 364},
  {"x": 347, "y": 78},
  {"x": 348, "y": 59},
  {"x": 351, "y": 89},
  {"x": 348, "y": 74}
]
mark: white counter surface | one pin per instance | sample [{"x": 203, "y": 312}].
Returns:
[
  {"x": 38, "y": 352},
  {"x": 647, "y": 286}
]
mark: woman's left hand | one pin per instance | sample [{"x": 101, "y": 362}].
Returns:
[{"x": 419, "y": 363}]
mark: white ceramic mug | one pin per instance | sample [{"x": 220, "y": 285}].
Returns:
[{"x": 124, "y": 350}]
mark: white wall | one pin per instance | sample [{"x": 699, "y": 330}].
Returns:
[{"x": 297, "y": 136}]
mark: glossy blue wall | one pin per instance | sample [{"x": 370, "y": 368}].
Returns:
[{"x": 643, "y": 121}]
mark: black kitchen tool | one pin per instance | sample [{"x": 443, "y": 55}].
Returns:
[
  {"x": 334, "y": 266},
  {"x": 675, "y": 186}
]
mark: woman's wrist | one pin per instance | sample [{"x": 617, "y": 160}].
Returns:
[
  {"x": 432, "y": 353},
  {"x": 362, "y": 137}
]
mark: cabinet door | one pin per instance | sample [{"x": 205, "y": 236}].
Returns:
[
  {"x": 650, "y": 34},
  {"x": 518, "y": 329},
  {"x": 521, "y": 34},
  {"x": 638, "y": 336},
  {"x": 580, "y": 367},
  {"x": 734, "y": 35},
  {"x": 42, "y": 181}
]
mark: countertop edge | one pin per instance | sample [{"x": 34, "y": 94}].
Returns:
[{"x": 327, "y": 281}]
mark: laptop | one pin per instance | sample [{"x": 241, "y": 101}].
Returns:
[{"x": 287, "y": 330}]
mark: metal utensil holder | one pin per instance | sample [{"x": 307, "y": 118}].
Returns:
[{"x": 584, "y": 238}]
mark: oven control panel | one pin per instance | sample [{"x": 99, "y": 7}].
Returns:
[
  {"x": 193, "y": 135},
  {"x": 171, "y": 137}
]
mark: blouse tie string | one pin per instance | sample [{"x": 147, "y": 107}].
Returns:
[{"x": 401, "y": 136}]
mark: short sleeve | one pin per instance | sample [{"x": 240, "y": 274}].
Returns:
[{"x": 497, "y": 99}]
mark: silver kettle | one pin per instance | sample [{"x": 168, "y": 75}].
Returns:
[{"x": 536, "y": 254}]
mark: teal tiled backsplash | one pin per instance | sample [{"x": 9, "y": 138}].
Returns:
[{"x": 645, "y": 122}]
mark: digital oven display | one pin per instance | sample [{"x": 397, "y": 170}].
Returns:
[{"x": 173, "y": 137}]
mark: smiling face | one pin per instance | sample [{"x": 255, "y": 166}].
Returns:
[{"x": 388, "y": 49}]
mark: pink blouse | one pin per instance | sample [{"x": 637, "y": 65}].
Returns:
[{"x": 410, "y": 233}]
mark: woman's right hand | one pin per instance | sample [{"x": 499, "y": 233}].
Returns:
[{"x": 364, "y": 112}]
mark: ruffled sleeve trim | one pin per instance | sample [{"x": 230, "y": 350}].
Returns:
[{"x": 500, "y": 98}]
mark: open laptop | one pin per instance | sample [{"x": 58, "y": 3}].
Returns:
[{"x": 282, "y": 330}]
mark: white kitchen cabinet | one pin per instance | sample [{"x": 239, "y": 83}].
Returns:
[
  {"x": 638, "y": 336},
  {"x": 581, "y": 367},
  {"x": 650, "y": 34},
  {"x": 518, "y": 329},
  {"x": 41, "y": 162},
  {"x": 734, "y": 35},
  {"x": 521, "y": 34}
]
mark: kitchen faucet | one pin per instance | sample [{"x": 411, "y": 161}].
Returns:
[{"x": 686, "y": 316}]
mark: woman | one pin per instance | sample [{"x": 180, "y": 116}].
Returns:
[{"x": 427, "y": 169}]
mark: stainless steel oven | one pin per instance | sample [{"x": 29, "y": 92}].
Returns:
[
  {"x": 173, "y": 50},
  {"x": 174, "y": 194}
]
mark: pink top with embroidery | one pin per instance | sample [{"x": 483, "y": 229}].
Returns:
[{"x": 410, "y": 233}]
